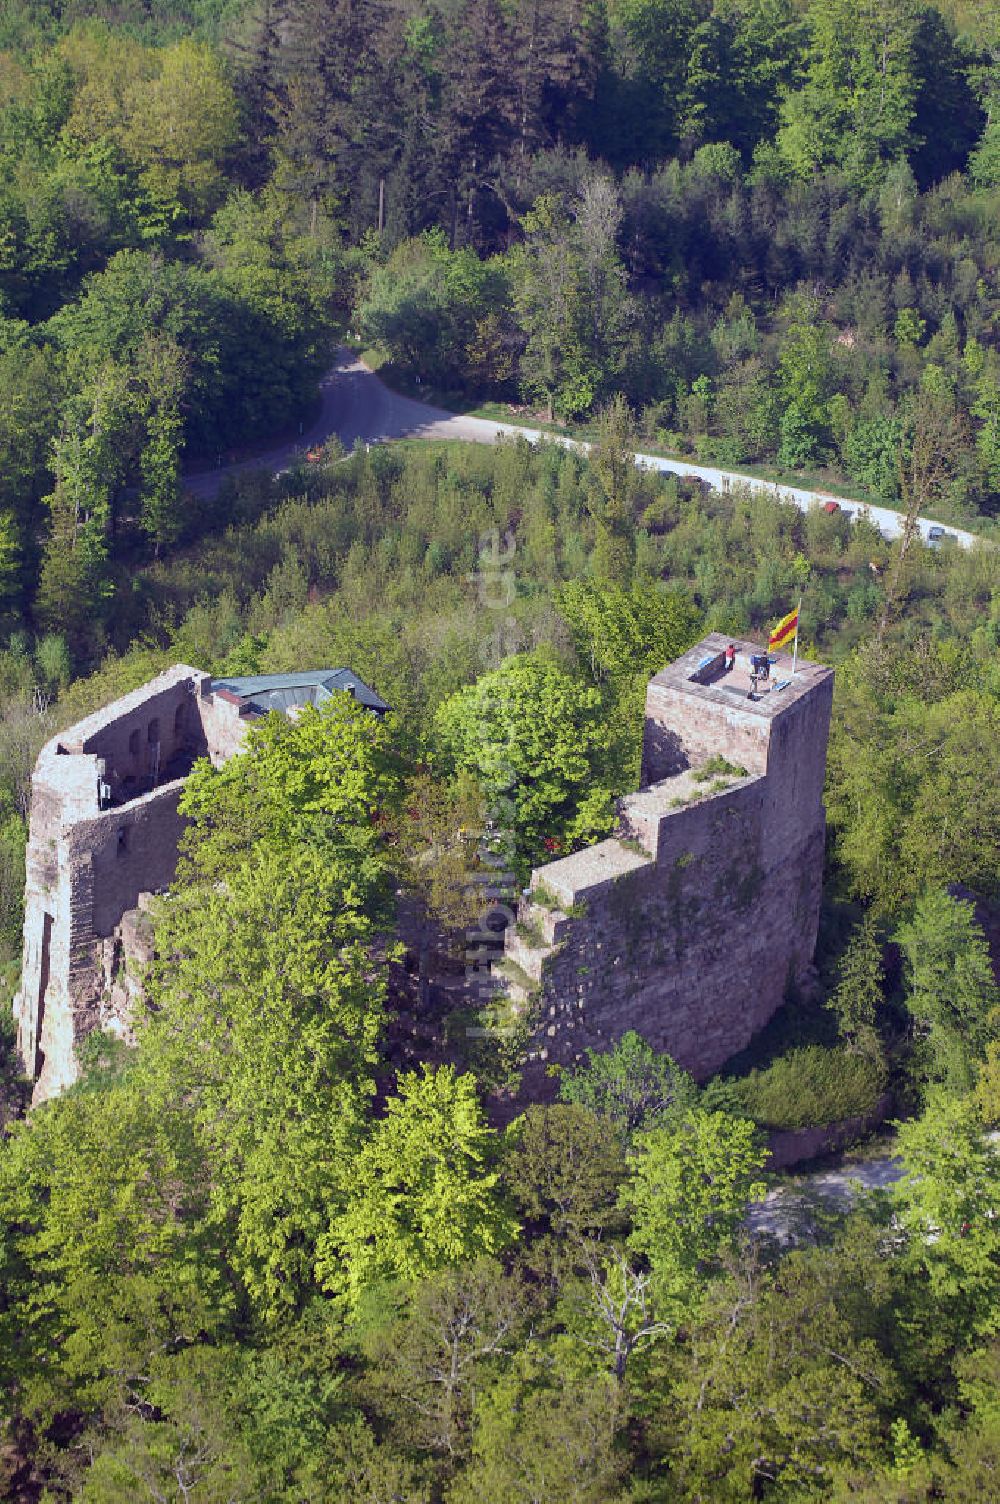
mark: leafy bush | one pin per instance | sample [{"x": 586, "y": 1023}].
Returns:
[
  {"x": 807, "y": 1088},
  {"x": 530, "y": 931},
  {"x": 632, "y": 1086},
  {"x": 542, "y": 894},
  {"x": 718, "y": 765}
]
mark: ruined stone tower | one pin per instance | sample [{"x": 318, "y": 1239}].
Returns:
[
  {"x": 103, "y": 836},
  {"x": 690, "y": 925}
]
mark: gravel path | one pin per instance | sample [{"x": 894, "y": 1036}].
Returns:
[{"x": 356, "y": 406}]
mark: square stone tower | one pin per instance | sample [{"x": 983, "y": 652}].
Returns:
[{"x": 692, "y": 923}]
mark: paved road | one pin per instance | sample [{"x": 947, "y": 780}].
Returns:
[{"x": 355, "y": 405}]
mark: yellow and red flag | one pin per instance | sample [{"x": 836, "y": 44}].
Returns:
[{"x": 783, "y": 633}]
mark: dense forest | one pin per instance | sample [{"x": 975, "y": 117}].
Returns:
[
  {"x": 286, "y": 1249},
  {"x": 301, "y": 1243},
  {"x": 771, "y": 228}
]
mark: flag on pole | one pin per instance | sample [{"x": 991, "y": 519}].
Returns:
[{"x": 787, "y": 628}]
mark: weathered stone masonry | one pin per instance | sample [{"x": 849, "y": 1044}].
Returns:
[
  {"x": 103, "y": 837},
  {"x": 690, "y": 928},
  {"x": 687, "y": 927}
]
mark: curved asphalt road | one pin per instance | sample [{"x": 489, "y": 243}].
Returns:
[{"x": 356, "y": 406}]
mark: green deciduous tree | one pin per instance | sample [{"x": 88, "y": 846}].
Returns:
[
  {"x": 660, "y": 36},
  {"x": 532, "y": 737},
  {"x": 430, "y": 1358},
  {"x": 164, "y": 377},
  {"x": 182, "y": 1441},
  {"x": 983, "y": 373},
  {"x": 440, "y": 314},
  {"x": 88, "y": 462},
  {"x": 322, "y": 781},
  {"x": 108, "y": 1259},
  {"x": 631, "y": 1087},
  {"x": 741, "y": 59},
  {"x": 614, "y": 486},
  {"x": 687, "y": 1194},
  {"x": 951, "y": 992},
  {"x": 624, "y": 634},
  {"x": 872, "y": 455},
  {"x": 571, "y": 298},
  {"x": 266, "y": 1013},
  {"x": 937, "y": 741},
  {"x": 9, "y": 557},
  {"x": 547, "y": 277},
  {"x": 628, "y": 632},
  {"x": 984, "y": 163},
  {"x": 180, "y": 125},
  {"x": 806, "y": 373},
  {"x": 784, "y": 1383},
  {"x": 424, "y": 1189},
  {"x": 563, "y": 1166},
  {"x": 855, "y": 108},
  {"x": 28, "y": 423},
  {"x": 611, "y": 1310},
  {"x": 543, "y": 1440},
  {"x": 946, "y": 1206}
]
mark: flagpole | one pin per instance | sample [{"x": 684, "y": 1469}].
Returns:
[{"x": 795, "y": 650}]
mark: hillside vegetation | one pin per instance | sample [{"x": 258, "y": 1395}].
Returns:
[
  {"x": 226, "y": 1261},
  {"x": 289, "y": 1248},
  {"x": 771, "y": 228}
]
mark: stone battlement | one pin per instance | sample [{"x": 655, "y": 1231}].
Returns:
[{"x": 691, "y": 923}]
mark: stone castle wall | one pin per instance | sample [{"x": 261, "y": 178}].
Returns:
[
  {"x": 104, "y": 834},
  {"x": 690, "y": 926}
]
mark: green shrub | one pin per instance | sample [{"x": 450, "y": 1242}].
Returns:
[
  {"x": 719, "y": 785},
  {"x": 543, "y": 895},
  {"x": 807, "y": 1088},
  {"x": 506, "y": 967},
  {"x": 530, "y": 931},
  {"x": 546, "y": 899},
  {"x": 718, "y": 765}
]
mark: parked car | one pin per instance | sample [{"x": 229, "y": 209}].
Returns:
[{"x": 830, "y": 507}]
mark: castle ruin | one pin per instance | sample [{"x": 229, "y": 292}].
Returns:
[
  {"x": 693, "y": 923},
  {"x": 689, "y": 926},
  {"x": 103, "y": 837}
]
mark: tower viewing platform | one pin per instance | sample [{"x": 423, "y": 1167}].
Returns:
[{"x": 693, "y": 922}]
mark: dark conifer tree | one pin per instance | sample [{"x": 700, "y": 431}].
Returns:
[
  {"x": 331, "y": 54},
  {"x": 557, "y": 51},
  {"x": 478, "y": 115},
  {"x": 256, "y": 50}
]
